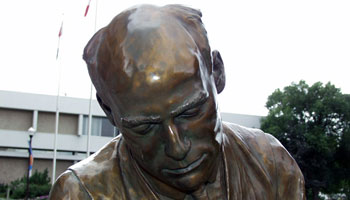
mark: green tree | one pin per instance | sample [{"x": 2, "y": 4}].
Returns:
[
  {"x": 39, "y": 185},
  {"x": 313, "y": 123},
  {"x": 3, "y": 190}
]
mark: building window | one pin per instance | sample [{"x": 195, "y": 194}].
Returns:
[
  {"x": 100, "y": 126},
  {"x": 17, "y": 120},
  {"x": 67, "y": 124}
]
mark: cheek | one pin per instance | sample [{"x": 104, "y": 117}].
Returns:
[
  {"x": 205, "y": 125},
  {"x": 141, "y": 146}
]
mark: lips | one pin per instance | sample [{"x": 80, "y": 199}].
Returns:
[{"x": 190, "y": 167}]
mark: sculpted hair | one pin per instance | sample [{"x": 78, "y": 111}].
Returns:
[
  {"x": 191, "y": 20},
  {"x": 102, "y": 49}
]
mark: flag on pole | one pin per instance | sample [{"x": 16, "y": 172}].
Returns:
[
  {"x": 59, "y": 38},
  {"x": 31, "y": 159},
  {"x": 87, "y": 8},
  {"x": 60, "y": 33}
]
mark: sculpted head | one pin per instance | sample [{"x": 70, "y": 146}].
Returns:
[{"x": 157, "y": 80}]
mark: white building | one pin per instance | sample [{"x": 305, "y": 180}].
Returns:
[{"x": 20, "y": 111}]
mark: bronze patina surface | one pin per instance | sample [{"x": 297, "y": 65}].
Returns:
[{"x": 157, "y": 80}]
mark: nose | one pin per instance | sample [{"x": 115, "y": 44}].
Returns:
[{"x": 176, "y": 146}]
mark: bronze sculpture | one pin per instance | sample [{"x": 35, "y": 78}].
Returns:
[{"x": 157, "y": 80}]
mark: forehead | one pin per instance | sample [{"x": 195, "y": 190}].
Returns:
[{"x": 158, "y": 102}]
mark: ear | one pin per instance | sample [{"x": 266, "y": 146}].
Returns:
[
  {"x": 106, "y": 109},
  {"x": 218, "y": 71},
  {"x": 90, "y": 55}
]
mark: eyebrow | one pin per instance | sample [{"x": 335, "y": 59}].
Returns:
[
  {"x": 198, "y": 100},
  {"x": 130, "y": 122},
  {"x": 135, "y": 121}
]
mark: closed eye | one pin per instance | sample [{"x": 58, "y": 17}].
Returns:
[
  {"x": 143, "y": 128},
  {"x": 190, "y": 112}
]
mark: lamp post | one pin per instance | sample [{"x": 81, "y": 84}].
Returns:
[{"x": 31, "y": 132}]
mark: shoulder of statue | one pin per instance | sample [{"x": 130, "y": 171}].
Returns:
[
  {"x": 266, "y": 154},
  {"x": 249, "y": 144},
  {"x": 258, "y": 143},
  {"x": 291, "y": 184},
  {"x": 104, "y": 157},
  {"x": 68, "y": 186},
  {"x": 252, "y": 138},
  {"x": 100, "y": 174}
]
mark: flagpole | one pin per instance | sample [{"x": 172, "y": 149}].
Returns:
[
  {"x": 57, "y": 108},
  {"x": 56, "y": 130},
  {"x": 91, "y": 89},
  {"x": 89, "y": 124}
]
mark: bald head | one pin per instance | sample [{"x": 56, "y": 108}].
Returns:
[
  {"x": 155, "y": 77},
  {"x": 148, "y": 45}
]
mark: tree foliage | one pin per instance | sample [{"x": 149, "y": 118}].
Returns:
[
  {"x": 313, "y": 123},
  {"x": 3, "y": 190},
  {"x": 39, "y": 186}
]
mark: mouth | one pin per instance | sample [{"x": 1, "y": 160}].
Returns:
[{"x": 190, "y": 167}]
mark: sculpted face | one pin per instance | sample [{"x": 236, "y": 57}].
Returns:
[
  {"x": 162, "y": 97},
  {"x": 172, "y": 130}
]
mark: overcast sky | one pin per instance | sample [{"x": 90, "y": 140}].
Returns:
[{"x": 265, "y": 45}]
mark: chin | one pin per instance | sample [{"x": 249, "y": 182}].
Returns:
[{"x": 191, "y": 182}]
